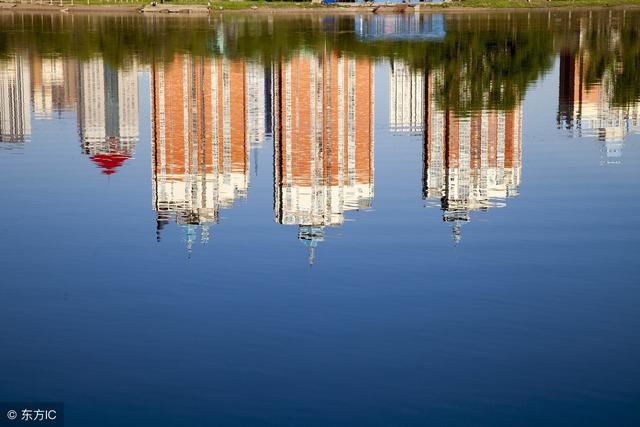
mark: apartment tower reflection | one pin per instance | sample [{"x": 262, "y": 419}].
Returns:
[
  {"x": 323, "y": 141},
  {"x": 203, "y": 123},
  {"x": 15, "y": 91},
  {"x": 406, "y": 99},
  {"x": 471, "y": 163},
  {"x": 585, "y": 108},
  {"x": 108, "y": 112}
]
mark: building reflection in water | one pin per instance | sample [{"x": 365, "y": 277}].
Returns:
[
  {"x": 15, "y": 89},
  {"x": 105, "y": 98},
  {"x": 586, "y": 109},
  {"x": 407, "y": 26},
  {"x": 206, "y": 113},
  {"x": 108, "y": 112},
  {"x": 323, "y": 141},
  {"x": 406, "y": 99},
  {"x": 471, "y": 163},
  {"x": 54, "y": 83}
]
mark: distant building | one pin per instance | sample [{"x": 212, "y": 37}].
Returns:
[
  {"x": 406, "y": 26},
  {"x": 203, "y": 123},
  {"x": 323, "y": 141},
  {"x": 586, "y": 109},
  {"x": 108, "y": 119},
  {"x": 471, "y": 163},
  {"x": 15, "y": 91}
]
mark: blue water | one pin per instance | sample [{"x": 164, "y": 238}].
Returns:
[{"x": 527, "y": 317}]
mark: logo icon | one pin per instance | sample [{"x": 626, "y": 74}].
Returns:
[{"x": 12, "y": 415}]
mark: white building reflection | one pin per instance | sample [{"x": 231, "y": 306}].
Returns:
[
  {"x": 108, "y": 119},
  {"x": 15, "y": 91},
  {"x": 406, "y": 99}
]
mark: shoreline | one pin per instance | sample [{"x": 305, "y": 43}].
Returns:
[{"x": 185, "y": 10}]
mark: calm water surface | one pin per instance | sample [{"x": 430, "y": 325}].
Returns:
[{"x": 319, "y": 220}]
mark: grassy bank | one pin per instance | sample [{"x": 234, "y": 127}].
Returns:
[
  {"x": 487, "y": 4},
  {"x": 226, "y": 4},
  {"x": 506, "y": 4},
  {"x": 263, "y": 4}
]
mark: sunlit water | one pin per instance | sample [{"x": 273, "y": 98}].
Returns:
[{"x": 318, "y": 220}]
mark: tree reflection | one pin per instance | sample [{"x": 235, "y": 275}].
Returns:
[{"x": 488, "y": 61}]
